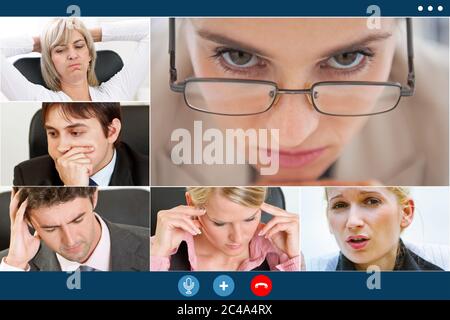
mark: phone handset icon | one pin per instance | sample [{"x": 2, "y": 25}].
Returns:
[{"x": 261, "y": 284}]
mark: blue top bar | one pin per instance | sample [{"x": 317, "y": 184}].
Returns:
[{"x": 228, "y": 8}]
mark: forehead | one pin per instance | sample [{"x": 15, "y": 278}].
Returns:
[
  {"x": 55, "y": 117},
  {"x": 356, "y": 192},
  {"x": 62, "y": 213},
  {"x": 309, "y": 35},
  {"x": 68, "y": 35},
  {"x": 223, "y": 209}
]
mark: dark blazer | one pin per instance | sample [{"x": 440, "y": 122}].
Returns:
[
  {"x": 130, "y": 250},
  {"x": 406, "y": 260},
  {"x": 131, "y": 169}
]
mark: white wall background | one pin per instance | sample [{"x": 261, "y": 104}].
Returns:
[
  {"x": 15, "y": 26},
  {"x": 292, "y": 197},
  {"x": 431, "y": 223}
]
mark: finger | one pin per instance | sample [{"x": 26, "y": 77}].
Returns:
[
  {"x": 190, "y": 211},
  {"x": 275, "y": 211},
  {"x": 21, "y": 212},
  {"x": 272, "y": 223},
  {"x": 184, "y": 225},
  {"x": 76, "y": 150},
  {"x": 280, "y": 227},
  {"x": 77, "y": 156},
  {"x": 191, "y": 223},
  {"x": 13, "y": 205},
  {"x": 82, "y": 161}
]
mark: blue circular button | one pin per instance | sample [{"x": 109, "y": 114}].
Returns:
[
  {"x": 188, "y": 286},
  {"x": 223, "y": 285}
]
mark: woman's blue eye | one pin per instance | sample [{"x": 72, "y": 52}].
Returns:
[{"x": 346, "y": 60}]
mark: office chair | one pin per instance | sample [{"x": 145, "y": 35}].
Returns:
[
  {"x": 125, "y": 206},
  {"x": 135, "y": 131},
  {"x": 163, "y": 198},
  {"x": 107, "y": 65}
]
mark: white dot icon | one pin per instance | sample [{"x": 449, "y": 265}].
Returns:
[
  {"x": 420, "y": 8},
  {"x": 430, "y": 8},
  {"x": 440, "y": 8}
]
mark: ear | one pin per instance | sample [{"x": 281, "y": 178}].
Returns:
[
  {"x": 95, "y": 199},
  {"x": 114, "y": 130},
  {"x": 188, "y": 199},
  {"x": 408, "y": 209}
]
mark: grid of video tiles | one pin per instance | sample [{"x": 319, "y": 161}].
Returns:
[{"x": 224, "y": 144}]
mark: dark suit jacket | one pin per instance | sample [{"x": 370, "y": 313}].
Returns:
[
  {"x": 131, "y": 169},
  {"x": 406, "y": 260},
  {"x": 130, "y": 250}
]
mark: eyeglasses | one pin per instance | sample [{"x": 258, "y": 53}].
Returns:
[{"x": 243, "y": 97}]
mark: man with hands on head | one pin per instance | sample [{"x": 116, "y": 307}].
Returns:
[
  {"x": 84, "y": 149},
  {"x": 68, "y": 235}
]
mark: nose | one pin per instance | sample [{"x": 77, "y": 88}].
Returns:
[
  {"x": 63, "y": 144},
  {"x": 68, "y": 237},
  {"x": 294, "y": 116},
  {"x": 72, "y": 53},
  {"x": 235, "y": 234},
  {"x": 354, "y": 219}
]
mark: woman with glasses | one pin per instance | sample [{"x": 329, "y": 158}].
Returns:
[
  {"x": 68, "y": 59},
  {"x": 343, "y": 95},
  {"x": 367, "y": 223},
  {"x": 221, "y": 229}
]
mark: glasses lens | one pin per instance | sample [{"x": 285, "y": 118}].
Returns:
[
  {"x": 355, "y": 99},
  {"x": 229, "y": 98}
]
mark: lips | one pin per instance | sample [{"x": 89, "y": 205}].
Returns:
[
  {"x": 75, "y": 65},
  {"x": 296, "y": 159},
  {"x": 234, "y": 246},
  {"x": 357, "y": 242}
]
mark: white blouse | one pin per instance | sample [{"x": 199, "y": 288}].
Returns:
[{"x": 121, "y": 87}]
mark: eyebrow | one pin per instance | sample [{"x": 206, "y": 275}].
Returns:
[
  {"x": 57, "y": 226},
  {"x": 361, "y": 192},
  {"x": 70, "y": 126},
  {"x": 357, "y": 44},
  {"x": 240, "y": 46},
  {"x": 218, "y": 221},
  {"x": 232, "y": 43},
  {"x": 74, "y": 42}
]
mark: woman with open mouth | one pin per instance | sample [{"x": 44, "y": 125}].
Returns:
[
  {"x": 367, "y": 223},
  {"x": 221, "y": 229}
]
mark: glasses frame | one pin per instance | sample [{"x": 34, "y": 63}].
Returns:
[{"x": 180, "y": 87}]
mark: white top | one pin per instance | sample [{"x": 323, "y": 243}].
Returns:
[
  {"x": 121, "y": 87},
  {"x": 100, "y": 259},
  {"x": 103, "y": 176}
]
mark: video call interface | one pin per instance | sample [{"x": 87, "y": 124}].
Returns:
[{"x": 228, "y": 163}]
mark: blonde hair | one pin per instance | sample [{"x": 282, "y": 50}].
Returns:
[
  {"x": 245, "y": 196},
  {"x": 401, "y": 193},
  {"x": 56, "y": 33}
]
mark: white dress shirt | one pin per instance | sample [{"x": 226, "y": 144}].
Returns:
[
  {"x": 103, "y": 177},
  {"x": 100, "y": 258}
]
